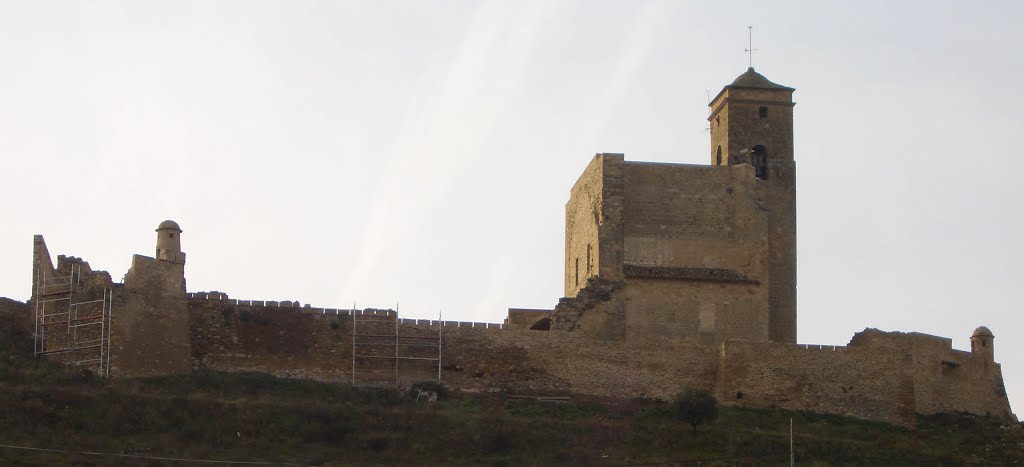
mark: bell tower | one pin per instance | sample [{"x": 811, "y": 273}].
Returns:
[{"x": 752, "y": 123}]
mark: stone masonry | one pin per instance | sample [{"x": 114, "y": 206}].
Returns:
[{"x": 676, "y": 276}]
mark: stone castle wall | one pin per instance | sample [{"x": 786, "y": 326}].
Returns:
[
  {"x": 71, "y": 302},
  {"x": 593, "y": 224},
  {"x": 707, "y": 312},
  {"x": 291, "y": 341},
  {"x": 150, "y": 328},
  {"x": 695, "y": 218},
  {"x": 881, "y": 376},
  {"x": 875, "y": 385},
  {"x": 887, "y": 376},
  {"x": 158, "y": 328}
]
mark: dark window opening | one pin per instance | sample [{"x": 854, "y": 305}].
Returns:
[
  {"x": 588, "y": 261},
  {"x": 762, "y": 112},
  {"x": 759, "y": 159},
  {"x": 577, "y": 271},
  {"x": 739, "y": 395},
  {"x": 718, "y": 120},
  {"x": 983, "y": 343},
  {"x": 718, "y": 158},
  {"x": 170, "y": 235}
]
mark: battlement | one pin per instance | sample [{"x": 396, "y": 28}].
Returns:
[{"x": 287, "y": 305}]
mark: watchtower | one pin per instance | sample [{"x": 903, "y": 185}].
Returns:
[
  {"x": 752, "y": 123},
  {"x": 168, "y": 242},
  {"x": 981, "y": 343}
]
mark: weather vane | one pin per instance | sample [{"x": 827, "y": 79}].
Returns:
[{"x": 750, "y": 46}]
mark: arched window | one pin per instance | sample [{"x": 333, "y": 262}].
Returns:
[
  {"x": 759, "y": 159},
  {"x": 718, "y": 157}
]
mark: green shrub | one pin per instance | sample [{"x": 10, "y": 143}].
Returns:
[{"x": 696, "y": 407}]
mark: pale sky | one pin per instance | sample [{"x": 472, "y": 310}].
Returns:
[{"x": 421, "y": 153}]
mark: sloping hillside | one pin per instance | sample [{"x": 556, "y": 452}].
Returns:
[{"x": 252, "y": 417}]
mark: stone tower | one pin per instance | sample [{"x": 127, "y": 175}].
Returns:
[
  {"x": 752, "y": 123},
  {"x": 168, "y": 242},
  {"x": 150, "y": 332},
  {"x": 981, "y": 343}
]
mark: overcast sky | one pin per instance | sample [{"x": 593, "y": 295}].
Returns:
[{"x": 421, "y": 153}]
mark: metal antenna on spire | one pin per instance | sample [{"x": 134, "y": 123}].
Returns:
[{"x": 750, "y": 46}]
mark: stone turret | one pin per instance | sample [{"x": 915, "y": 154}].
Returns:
[
  {"x": 168, "y": 242},
  {"x": 981, "y": 343}
]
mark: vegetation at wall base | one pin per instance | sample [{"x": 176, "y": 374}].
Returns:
[{"x": 256, "y": 417}]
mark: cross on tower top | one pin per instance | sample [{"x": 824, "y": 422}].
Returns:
[{"x": 750, "y": 46}]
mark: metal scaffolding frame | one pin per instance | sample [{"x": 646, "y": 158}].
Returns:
[
  {"x": 379, "y": 348},
  {"x": 78, "y": 333}
]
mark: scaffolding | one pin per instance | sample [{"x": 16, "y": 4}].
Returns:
[
  {"x": 386, "y": 355},
  {"x": 72, "y": 325}
]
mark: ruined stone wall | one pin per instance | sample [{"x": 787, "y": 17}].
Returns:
[
  {"x": 20, "y": 313},
  {"x": 593, "y": 224},
  {"x": 12, "y": 307},
  {"x": 71, "y": 301},
  {"x": 596, "y": 312}
]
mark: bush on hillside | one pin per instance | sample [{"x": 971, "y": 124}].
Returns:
[{"x": 696, "y": 407}]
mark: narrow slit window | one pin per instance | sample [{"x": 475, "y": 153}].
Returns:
[
  {"x": 762, "y": 112},
  {"x": 588, "y": 261},
  {"x": 577, "y": 271}
]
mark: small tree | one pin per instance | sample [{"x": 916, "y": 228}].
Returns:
[{"x": 696, "y": 406}]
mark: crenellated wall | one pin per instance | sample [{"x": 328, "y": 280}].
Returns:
[
  {"x": 880, "y": 376},
  {"x": 158, "y": 328},
  {"x": 316, "y": 343}
]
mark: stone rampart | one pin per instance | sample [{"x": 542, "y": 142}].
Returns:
[
  {"x": 478, "y": 357},
  {"x": 285, "y": 339},
  {"x": 886, "y": 376},
  {"x": 879, "y": 376}
]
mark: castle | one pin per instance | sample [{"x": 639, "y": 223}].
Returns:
[{"x": 676, "y": 276}]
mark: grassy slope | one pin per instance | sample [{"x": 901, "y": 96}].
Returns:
[{"x": 257, "y": 417}]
